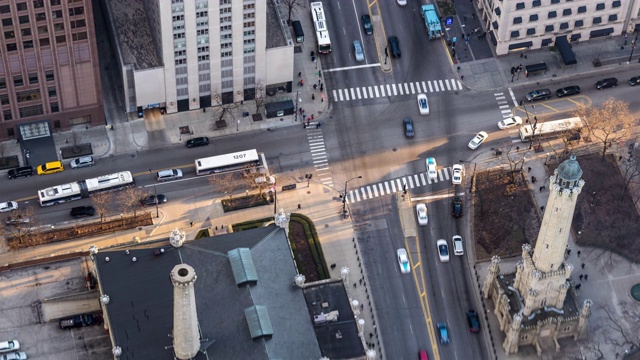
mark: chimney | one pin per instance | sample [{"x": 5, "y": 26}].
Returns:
[{"x": 186, "y": 338}]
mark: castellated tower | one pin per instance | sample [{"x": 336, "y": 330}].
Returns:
[
  {"x": 186, "y": 337},
  {"x": 541, "y": 278}
]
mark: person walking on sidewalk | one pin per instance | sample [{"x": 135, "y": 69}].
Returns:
[
  {"x": 300, "y": 74},
  {"x": 313, "y": 97}
]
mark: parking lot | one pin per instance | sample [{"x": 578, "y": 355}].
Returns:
[{"x": 23, "y": 291}]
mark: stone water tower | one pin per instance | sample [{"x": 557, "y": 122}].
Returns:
[{"x": 186, "y": 337}]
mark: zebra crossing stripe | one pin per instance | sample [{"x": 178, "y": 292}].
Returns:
[
  {"x": 447, "y": 83},
  {"x": 370, "y": 92},
  {"x": 406, "y": 88},
  {"x": 395, "y": 92},
  {"x": 364, "y": 93},
  {"x": 440, "y": 175},
  {"x": 459, "y": 84},
  {"x": 430, "y": 88},
  {"x": 386, "y": 186},
  {"x": 410, "y": 182},
  {"x": 435, "y": 85},
  {"x": 389, "y": 90},
  {"x": 441, "y": 85},
  {"x": 375, "y": 191},
  {"x": 417, "y": 180},
  {"x": 381, "y": 189},
  {"x": 424, "y": 182},
  {"x": 353, "y": 93},
  {"x": 382, "y": 91},
  {"x": 335, "y": 94},
  {"x": 369, "y": 192},
  {"x": 358, "y": 93},
  {"x": 393, "y": 186},
  {"x": 413, "y": 90},
  {"x": 375, "y": 88},
  {"x": 399, "y": 184},
  {"x": 400, "y": 89}
]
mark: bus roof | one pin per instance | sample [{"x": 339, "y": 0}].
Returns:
[
  {"x": 107, "y": 181},
  {"x": 228, "y": 159}
]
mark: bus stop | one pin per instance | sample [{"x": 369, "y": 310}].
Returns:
[{"x": 535, "y": 68}]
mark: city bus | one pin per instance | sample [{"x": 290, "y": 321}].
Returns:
[
  {"x": 550, "y": 128},
  {"x": 84, "y": 188},
  {"x": 320, "y": 27},
  {"x": 240, "y": 160}
]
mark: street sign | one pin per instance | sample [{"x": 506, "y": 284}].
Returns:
[{"x": 448, "y": 21}]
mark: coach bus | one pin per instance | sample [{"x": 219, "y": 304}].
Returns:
[
  {"x": 551, "y": 128},
  {"x": 320, "y": 27},
  {"x": 236, "y": 161},
  {"x": 84, "y": 188}
]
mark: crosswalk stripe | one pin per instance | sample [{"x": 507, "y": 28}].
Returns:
[
  {"x": 375, "y": 191},
  {"x": 364, "y": 93},
  {"x": 430, "y": 88},
  {"x": 388, "y": 90},
  {"x": 399, "y": 184},
  {"x": 410, "y": 182},
  {"x": 400, "y": 89},
  {"x": 353, "y": 93},
  {"x": 406, "y": 88},
  {"x": 358, "y": 93},
  {"x": 446, "y": 173},
  {"x": 370, "y": 92},
  {"x": 417, "y": 180},
  {"x": 418, "y": 89},
  {"x": 447, "y": 83},
  {"x": 502, "y": 97},
  {"x": 381, "y": 189},
  {"x": 440, "y": 175},
  {"x": 393, "y": 186},
  {"x": 340, "y": 94},
  {"x": 423, "y": 179},
  {"x": 369, "y": 192},
  {"x": 424, "y": 87},
  {"x": 386, "y": 186},
  {"x": 459, "y": 84},
  {"x": 435, "y": 85},
  {"x": 441, "y": 85},
  {"x": 364, "y": 194},
  {"x": 413, "y": 90},
  {"x": 375, "y": 89},
  {"x": 335, "y": 94},
  {"x": 382, "y": 91},
  {"x": 393, "y": 86}
]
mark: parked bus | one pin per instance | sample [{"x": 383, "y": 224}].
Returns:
[
  {"x": 320, "y": 26},
  {"x": 551, "y": 128},
  {"x": 84, "y": 188},
  {"x": 230, "y": 162}
]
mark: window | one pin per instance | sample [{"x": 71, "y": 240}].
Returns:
[
  {"x": 3, "y": 83},
  {"x": 564, "y": 25},
  {"x": 5, "y": 9},
  {"x": 54, "y": 107},
  {"x": 531, "y": 31},
  {"x": 555, "y": 1},
  {"x": 178, "y": 18},
  {"x": 56, "y": 14},
  {"x": 41, "y": 16},
  {"x": 58, "y": 27},
  {"x": 9, "y": 35},
  {"x": 548, "y": 28},
  {"x": 582, "y": 9},
  {"x": 566, "y": 12},
  {"x": 76, "y": 11},
  {"x": 226, "y": 54},
  {"x": 579, "y": 23},
  {"x": 28, "y": 95},
  {"x": 17, "y": 80},
  {"x": 12, "y": 47},
  {"x": 520, "y": 6},
  {"x": 517, "y": 20},
  {"x": 45, "y": 42},
  {"x": 615, "y": 4},
  {"x": 27, "y": 44},
  {"x": 38, "y": 4},
  {"x": 533, "y": 17},
  {"x": 248, "y": 24},
  {"x": 7, "y": 114},
  {"x": 498, "y": 11},
  {"x": 77, "y": 24},
  {"x": 21, "y": 6},
  {"x": 49, "y": 75},
  {"x": 203, "y": 57},
  {"x": 515, "y": 34},
  {"x": 79, "y": 36},
  {"x": 536, "y": 3},
  {"x": 7, "y": 22},
  {"x": 23, "y": 19},
  {"x": 55, "y": 2},
  {"x": 61, "y": 39},
  {"x": 613, "y": 17},
  {"x": 552, "y": 14},
  {"x": 249, "y": 16},
  {"x": 597, "y": 20},
  {"x": 600, "y": 6},
  {"x": 43, "y": 30},
  {"x": 4, "y": 99}
]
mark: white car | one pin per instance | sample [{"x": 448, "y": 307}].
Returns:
[
  {"x": 443, "y": 250},
  {"x": 11, "y": 345},
  {"x": 8, "y": 206},
  {"x": 423, "y": 104},
  {"x": 458, "y": 248},
  {"x": 432, "y": 168},
  {"x": 402, "y": 2},
  {"x": 403, "y": 261},
  {"x": 457, "y": 173},
  {"x": 82, "y": 162},
  {"x": 477, "y": 140},
  {"x": 18, "y": 355},
  {"x": 421, "y": 210},
  {"x": 509, "y": 122},
  {"x": 357, "y": 50}
]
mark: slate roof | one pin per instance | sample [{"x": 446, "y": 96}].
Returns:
[{"x": 140, "y": 311}]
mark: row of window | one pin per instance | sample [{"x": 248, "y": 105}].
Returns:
[
  {"x": 536, "y": 3},
  {"x": 60, "y": 39},
  {"x": 553, "y": 14},
  {"x": 549, "y": 28},
  {"x": 596, "y": 20},
  {"x": 37, "y": 4},
  {"x": 28, "y": 111}
]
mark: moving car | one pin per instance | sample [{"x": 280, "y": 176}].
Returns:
[
  {"x": 443, "y": 333},
  {"x": 151, "y": 200},
  {"x": 634, "y": 81},
  {"x": 24, "y": 171},
  {"x": 357, "y": 49},
  {"x": 458, "y": 248},
  {"x": 606, "y": 83},
  {"x": 421, "y": 210},
  {"x": 443, "y": 250},
  {"x": 423, "y": 355},
  {"x": 457, "y": 171},
  {"x": 8, "y": 206},
  {"x": 18, "y": 355},
  {"x": 50, "y": 168},
  {"x": 474, "y": 321},
  {"x": 402, "y": 2},
  {"x": 408, "y": 127},
  {"x": 478, "y": 140},
  {"x": 7, "y": 346},
  {"x": 199, "y": 141},
  {"x": 169, "y": 174},
  {"x": 432, "y": 168},
  {"x": 394, "y": 46},
  {"x": 82, "y": 162},
  {"x": 82, "y": 211},
  {"x": 423, "y": 104},
  {"x": 403, "y": 261},
  {"x": 509, "y": 122},
  {"x": 568, "y": 91},
  {"x": 366, "y": 24},
  {"x": 540, "y": 94},
  {"x": 456, "y": 207}
]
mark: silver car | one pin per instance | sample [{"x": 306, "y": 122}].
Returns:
[
  {"x": 357, "y": 49},
  {"x": 8, "y": 206},
  {"x": 81, "y": 162},
  {"x": 169, "y": 174}
]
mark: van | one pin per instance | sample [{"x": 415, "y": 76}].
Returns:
[
  {"x": 540, "y": 94},
  {"x": 297, "y": 31},
  {"x": 24, "y": 171},
  {"x": 51, "y": 167},
  {"x": 457, "y": 245},
  {"x": 169, "y": 174}
]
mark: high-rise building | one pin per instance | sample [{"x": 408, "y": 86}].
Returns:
[
  {"x": 49, "y": 70},
  {"x": 538, "y": 302}
]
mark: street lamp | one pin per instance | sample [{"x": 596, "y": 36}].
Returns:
[
  {"x": 344, "y": 196},
  {"x": 634, "y": 42}
]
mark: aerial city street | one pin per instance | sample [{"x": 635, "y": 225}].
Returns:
[{"x": 375, "y": 124}]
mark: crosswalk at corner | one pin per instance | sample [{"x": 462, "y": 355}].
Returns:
[
  {"x": 396, "y": 185},
  {"x": 377, "y": 91}
]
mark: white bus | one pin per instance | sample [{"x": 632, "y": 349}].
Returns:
[
  {"x": 320, "y": 27},
  {"x": 240, "y": 160},
  {"x": 550, "y": 128},
  {"x": 84, "y": 188}
]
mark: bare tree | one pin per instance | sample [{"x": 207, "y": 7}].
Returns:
[
  {"x": 129, "y": 200},
  {"x": 291, "y": 5},
  {"x": 259, "y": 96},
  {"x": 20, "y": 226},
  {"x": 620, "y": 333},
  {"x": 516, "y": 159},
  {"x": 102, "y": 202},
  {"x": 226, "y": 183},
  {"x": 223, "y": 110},
  {"x": 606, "y": 122}
]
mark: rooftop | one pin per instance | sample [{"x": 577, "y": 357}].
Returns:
[
  {"x": 141, "y": 298},
  {"x": 275, "y": 27}
]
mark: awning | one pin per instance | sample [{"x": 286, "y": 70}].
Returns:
[
  {"x": 601, "y": 32},
  {"x": 536, "y": 67},
  {"x": 521, "y": 45},
  {"x": 546, "y": 42},
  {"x": 568, "y": 57},
  {"x": 575, "y": 37}
]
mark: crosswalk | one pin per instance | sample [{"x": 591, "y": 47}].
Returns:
[
  {"x": 396, "y": 185},
  {"x": 377, "y": 91},
  {"x": 505, "y": 110},
  {"x": 318, "y": 153}
]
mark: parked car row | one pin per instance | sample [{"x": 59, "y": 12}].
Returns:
[{"x": 9, "y": 350}]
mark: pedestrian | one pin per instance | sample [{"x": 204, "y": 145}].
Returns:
[
  {"x": 321, "y": 87},
  {"x": 355, "y": 285},
  {"x": 542, "y": 208},
  {"x": 322, "y": 99},
  {"x": 586, "y": 277},
  {"x": 303, "y": 111},
  {"x": 150, "y": 171},
  {"x": 333, "y": 266},
  {"x": 308, "y": 120},
  {"x": 300, "y": 74},
  {"x": 540, "y": 189},
  {"x": 66, "y": 141},
  {"x": 317, "y": 127},
  {"x": 533, "y": 179},
  {"x": 304, "y": 125},
  {"x": 304, "y": 116},
  {"x": 313, "y": 117},
  {"x": 111, "y": 127},
  {"x": 583, "y": 265},
  {"x": 578, "y": 286},
  {"x": 568, "y": 252},
  {"x": 313, "y": 96},
  {"x": 190, "y": 223},
  {"x": 360, "y": 281},
  {"x": 473, "y": 15},
  {"x": 579, "y": 252},
  {"x": 518, "y": 149},
  {"x": 361, "y": 307},
  {"x": 300, "y": 111},
  {"x": 581, "y": 276},
  {"x": 461, "y": 77},
  {"x": 529, "y": 169},
  {"x": 370, "y": 335}
]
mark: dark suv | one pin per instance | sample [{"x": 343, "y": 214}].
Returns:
[
  {"x": 394, "y": 46},
  {"x": 199, "y": 141},
  {"x": 606, "y": 83},
  {"x": 540, "y": 94},
  {"x": 80, "y": 321},
  {"x": 82, "y": 211},
  {"x": 456, "y": 207},
  {"x": 24, "y": 171}
]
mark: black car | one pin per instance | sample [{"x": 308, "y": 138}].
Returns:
[
  {"x": 82, "y": 211},
  {"x": 199, "y": 141},
  {"x": 568, "y": 91},
  {"x": 80, "y": 321},
  {"x": 25, "y": 171},
  {"x": 151, "y": 200},
  {"x": 394, "y": 46},
  {"x": 474, "y": 321},
  {"x": 634, "y": 81},
  {"x": 606, "y": 83},
  {"x": 456, "y": 207},
  {"x": 408, "y": 127},
  {"x": 366, "y": 24}
]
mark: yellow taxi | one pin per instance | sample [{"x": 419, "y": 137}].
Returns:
[{"x": 50, "y": 168}]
